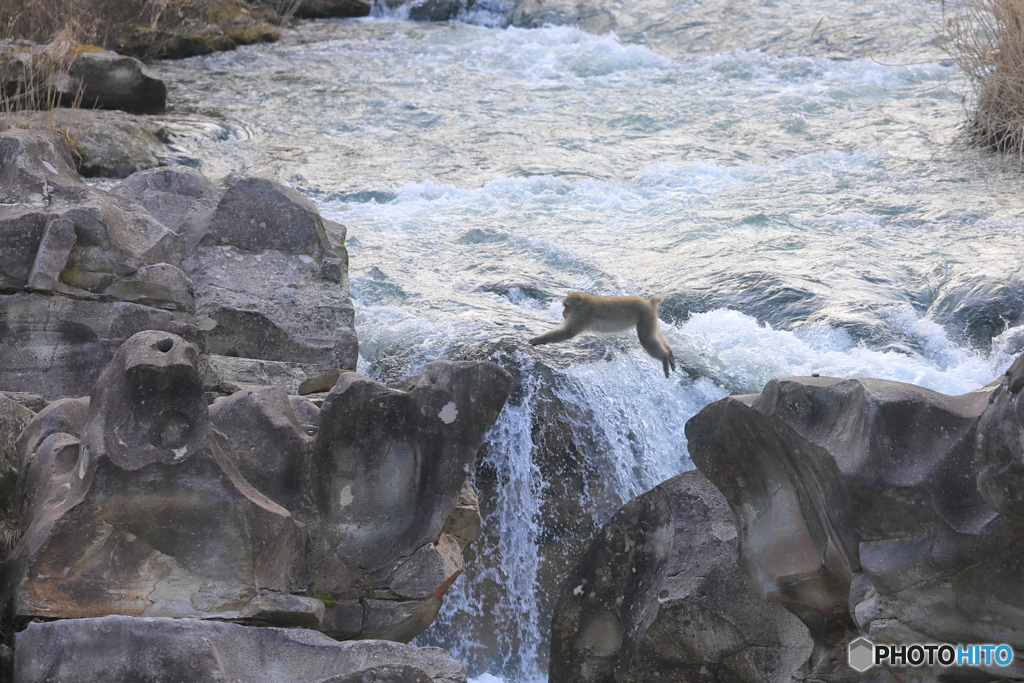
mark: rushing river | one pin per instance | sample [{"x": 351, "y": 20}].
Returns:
[{"x": 788, "y": 175}]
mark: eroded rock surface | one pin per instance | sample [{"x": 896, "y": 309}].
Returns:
[
  {"x": 407, "y": 449},
  {"x": 243, "y": 269},
  {"x": 141, "y": 500},
  {"x": 81, "y": 270},
  {"x": 135, "y": 507},
  {"x": 858, "y": 508},
  {"x": 659, "y": 596},
  {"x": 117, "y": 648}
]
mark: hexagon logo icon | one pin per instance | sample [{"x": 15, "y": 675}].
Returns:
[{"x": 862, "y": 654}]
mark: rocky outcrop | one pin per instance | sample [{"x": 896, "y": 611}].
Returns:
[
  {"x": 117, "y": 648},
  {"x": 260, "y": 232},
  {"x": 243, "y": 269},
  {"x": 339, "y": 530},
  {"x": 347, "y": 515},
  {"x": 407, "y": 448},
  {"x": 659, "y": 596},
  {"x": 119, "y": 500},
  {"x": 271, "y": 290},
  {"x": 81, "y": 270},
  {"x": 877, "y": 508},
  {"x": 106, "y": 144}
]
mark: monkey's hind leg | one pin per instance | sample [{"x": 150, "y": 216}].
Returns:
[{"x": 655, "y": 343}]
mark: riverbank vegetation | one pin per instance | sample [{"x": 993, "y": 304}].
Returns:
[
  {"x": 143, "y": 28},
  {"x": 986, "y": 39}
]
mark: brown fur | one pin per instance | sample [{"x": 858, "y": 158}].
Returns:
[{"x": 585, "y": 312}]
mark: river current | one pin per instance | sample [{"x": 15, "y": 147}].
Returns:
[{"x": 790, "y": 176}]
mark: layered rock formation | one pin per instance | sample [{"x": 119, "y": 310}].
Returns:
[
  {"x": 207, "y": 651},
  {"x": 139, "y": 499},
  {"x": 877, "y": 508},
  {"x": 82, "y": 269}
]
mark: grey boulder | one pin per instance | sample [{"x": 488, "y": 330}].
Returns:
[
  {"x": 102, "y": 79},
  {"x": 270, "y": 287},
  {"x": 659, "y": 596}
]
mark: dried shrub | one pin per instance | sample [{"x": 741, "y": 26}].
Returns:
[
  {"x": 143, "y": 28},
  {"x": 27, "y": 73},
  {"x": 986, "y": 39}
]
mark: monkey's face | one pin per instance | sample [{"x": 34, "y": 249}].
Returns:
[{"x": 571, "y": 302}]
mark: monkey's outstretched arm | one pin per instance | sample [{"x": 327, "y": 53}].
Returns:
[{"x": 561, "y": 333}]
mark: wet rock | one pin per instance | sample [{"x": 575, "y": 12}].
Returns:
[
  {"x": 659, "y": 595},
  {"x": 325, "y": 9},
  {"x": 980, "y": 306},
  {"x": 999, "y": 458},
  {"x": 428, "y": 10},
  {"x": 858, "y": 509},
  {"x": 120, "y": 513},
  {"x": 102, "y": 79},
  {"x": 435, "y": 10},
  {"x": 120, "y": 648},
  {"x": 464, "y": 523}
]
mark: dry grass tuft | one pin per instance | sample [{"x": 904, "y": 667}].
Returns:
[
  {"x": 145, "y": 28},
  {"x": 986, "y": 39}
]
